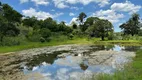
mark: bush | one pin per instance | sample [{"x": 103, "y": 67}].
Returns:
[
  {"x": 34, "y": 37},
  {"x": 110, "y": 37},
  {"x": 42, "y": 40},
  {"x": 12, "y": 41},
  {"x": 129, "y": 37},
  {"x": 58, "y": 37},
  {"x": 70, "y": 36},
  {"x": 45, "y": 33}
]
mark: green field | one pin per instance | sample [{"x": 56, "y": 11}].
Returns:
[
  {"x": 30, "y": 45},
  {"x": 93, "y": 41}
]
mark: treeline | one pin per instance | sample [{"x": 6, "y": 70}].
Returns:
[{"x": 16, "y": 29}]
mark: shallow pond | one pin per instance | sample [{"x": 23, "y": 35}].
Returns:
[{"x": 66, "y": 62}]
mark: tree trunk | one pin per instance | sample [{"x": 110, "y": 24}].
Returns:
[
  {"x": 132, "y": 34},
  {"x": 102, "y": 38},
  {"x": 1, "y": 39}
]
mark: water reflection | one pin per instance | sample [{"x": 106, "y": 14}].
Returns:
[
  {"x": 59, "y": 66},
  {"x": 39, "y": 59},
  {"x": 83, "y": 66},
  {"x": 69, "y": 62},
  {"x": 132, "y": 48}
]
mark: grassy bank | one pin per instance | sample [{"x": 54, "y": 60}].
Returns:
[
  {"x": 96, "y": 41},
  {"x": 30, "y": 45},
  {"x": 120, "y": 42},
  {"x": 132, "y": 71}
]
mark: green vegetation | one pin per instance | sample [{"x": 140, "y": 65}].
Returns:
[
  {"x": 131, "y": 71},
  {"x": 19, "y": 30},
  {"x": 64, "y": 40},
  {"x": 51, "y": 43},
  {"x": 132, "y": 25}
]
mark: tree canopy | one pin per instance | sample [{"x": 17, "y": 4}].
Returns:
[
  {"x": 132, "y": 25},
  {"x": 101, "y": 28}
]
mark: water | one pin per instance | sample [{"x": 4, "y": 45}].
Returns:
[{"x": 74, "y": 62}]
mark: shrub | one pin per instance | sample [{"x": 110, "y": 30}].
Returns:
[
  {"x": 34, "y": 37},
  {"x": 45, "y": 33},
  {"x": 12, "y": 41},
  {"x": 70, "y": 36},
  {"x": 42, "y": 40},
  {"x": 110, "y": 37}
]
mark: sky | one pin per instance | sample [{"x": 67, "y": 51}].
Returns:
[{"x": 116, "y": 11}]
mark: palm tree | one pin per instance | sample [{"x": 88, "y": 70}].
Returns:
[{"x": 81, "y": 17}]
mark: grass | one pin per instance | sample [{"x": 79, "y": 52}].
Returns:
[
  {"x": 30, "y": 45},
  {"x": 132, "y": 71},
  {"x": 120, "y": 42},
  {"x": 96, "y": 41}
]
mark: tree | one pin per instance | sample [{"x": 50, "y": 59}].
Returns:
[
  {"x": 45, "y": 33},
  {"x": 132, "y": 25},
  {"x": 10, "y": 14},
  {"x": 81, "y": 17},
  {"x": 74, "y": 26},
  {"x": 7, "y": 28},
  {"x": 30, "y": 21},
  {"x": 0, "y": 8},
  {"x": 7, "y": 21},
  {"x": 50, "y": 24},
  {"x": 102, "y": 28},
  {"x": 89, "y": 22}
]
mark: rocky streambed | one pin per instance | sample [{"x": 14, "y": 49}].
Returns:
[{"x": 65, "y": 62}]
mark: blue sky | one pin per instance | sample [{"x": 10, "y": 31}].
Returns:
[{"x": 116, "y": 11}]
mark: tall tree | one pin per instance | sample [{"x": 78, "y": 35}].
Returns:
[
  {"x": 7, "y": 19},
  {"x": 102, "y": 28},
  {"x": 10, "y": 14},
  {"x": 7, "y": 28},
  {"x": 89, "y": 22},
  {"x": 0, "y": 8},
  {"x": 132, "y": 25},
  {"x": 50, "y": 24},
  {"x": 74, "y": 25},
  {"x": 81, "y": 17},
  {"x": 30, "y": 21}
]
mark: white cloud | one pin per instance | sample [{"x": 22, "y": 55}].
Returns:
[
  {"x": 76, "y": 8},
  {"x": 125, "y": 7},
  {"x": 74, "y": 20},
  {"x": 40, "y": 2},
  {"x": 37, "y": 2},
  {"x": 60, "y": 3},
  {"x": 64, "y": 3},
  {"x": 101, "y": 3},
  {"x": 41, "y": 15},
  {"x": 71, "y": 14},
  {"x": 110, "y": 15},
  {"x": 23, "y": 1}
]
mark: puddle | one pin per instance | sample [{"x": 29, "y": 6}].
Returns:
[{"x": 66, "y": 62}]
